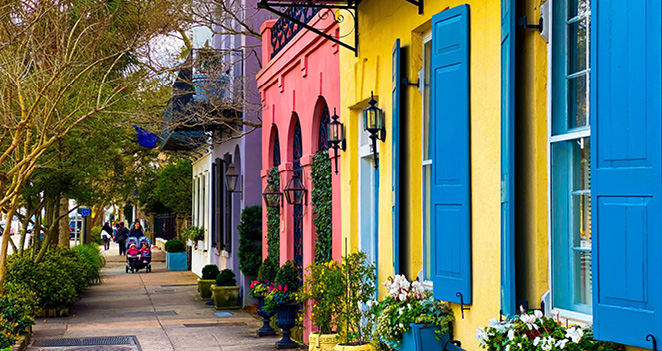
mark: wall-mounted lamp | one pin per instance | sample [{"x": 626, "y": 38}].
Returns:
[
  {"x": 373, "y": 123},
  {"x": 271, "y": 194},
  {"x": 336, "y": 132},
  {"x": 295, "y": 191},
  {"x": 233, "y": 180}
]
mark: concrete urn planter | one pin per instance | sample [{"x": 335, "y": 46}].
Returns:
[
  {"x": 204, "y": 287},
  {"x": 225, "y": 297},
  {"x": 322, "y": 342}
]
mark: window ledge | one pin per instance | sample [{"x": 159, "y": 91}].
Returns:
[{"x": 572, "y": 317}]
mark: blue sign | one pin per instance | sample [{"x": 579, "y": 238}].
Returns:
[{"x": 85, "y": 212}]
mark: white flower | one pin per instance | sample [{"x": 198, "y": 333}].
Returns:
[
  {"x": 507, "y": 348},
  {"x": 536, "y": 341},
  {"x": 538, "y": 314},
  {"x": 561, "y": 343},
  {"x": 529, "y": 320},
  {"x": 402, "y": 296},
  {"x": 575, "y": 334},
  {"x": 548, "y": 343},
  {"x": 511, "y": 334},
  {"x": 481, "y": 336}
]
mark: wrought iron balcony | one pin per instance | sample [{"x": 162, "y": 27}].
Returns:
[{"x": 285, "y": 29}]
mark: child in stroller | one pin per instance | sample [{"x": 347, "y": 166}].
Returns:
[{"x": 138, "y": 259}]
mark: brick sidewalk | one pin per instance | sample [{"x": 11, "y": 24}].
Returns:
[{"x": 161, "y": 309}]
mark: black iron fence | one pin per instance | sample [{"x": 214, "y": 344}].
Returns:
[{"x": 166, "y": 226}]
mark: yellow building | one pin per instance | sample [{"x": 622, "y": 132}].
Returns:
[{"x": 483, "y": 181}]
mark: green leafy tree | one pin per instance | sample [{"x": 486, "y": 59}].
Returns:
[{"x": 173, "y": 189}]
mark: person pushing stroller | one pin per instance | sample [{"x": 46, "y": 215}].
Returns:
[{"x": 138, "y": 258}]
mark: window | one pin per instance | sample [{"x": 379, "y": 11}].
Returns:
[
  {"x": 427, "y": 161},
  {"x": 570, "y": 157}
]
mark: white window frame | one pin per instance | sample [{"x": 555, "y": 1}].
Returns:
[
  {"x": 572, "y": 317},
  {"x": 427, "y": 38}
]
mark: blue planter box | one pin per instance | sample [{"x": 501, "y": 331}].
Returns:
[
  {"x": 176, "y": 261},
  {"x": 421, "y": 337}
]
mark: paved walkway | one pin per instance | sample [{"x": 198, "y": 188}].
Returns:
[{"x": 161, "y": 309}]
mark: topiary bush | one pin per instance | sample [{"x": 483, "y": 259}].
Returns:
[
  {"x": 175, "y": 246},
  {"x": 288, "y": 276},
  {"x": 268, "y": 270},
  {"x": 210, "y": 272},
  {"x": 250, "y": 233},
  {"x": 226, "y": 278}
]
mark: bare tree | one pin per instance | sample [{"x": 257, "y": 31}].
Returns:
[{"x": 63, "y": 62}]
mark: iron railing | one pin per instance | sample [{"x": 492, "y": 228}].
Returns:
[{"x": 284, "y": 30}]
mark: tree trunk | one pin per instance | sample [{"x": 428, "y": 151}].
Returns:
[
  {"x": 5, "y": 242},
  {"x": 64, "y": 223}
]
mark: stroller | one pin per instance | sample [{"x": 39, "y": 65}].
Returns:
[{"x": 134, "y": 263}]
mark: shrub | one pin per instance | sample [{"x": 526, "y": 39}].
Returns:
[
  {"x": 210, "y": 272},
  {"x": 250, "y": 231},
  {"x": 95, "y": 236},
  {"x": 268, "y": 270},
  {"x": 8, "y": 335},
  {"x": 226, "y": 278},
  {"x": 17, "y": 311},
  {"x": 72, "y": 264},
  {"x": 91, "y": 254},
  {"x": 360, "y": 276},
  {"x": 288, "y": 276},
  {"x": 324, "y": 288},
  {"x": 194, "y": 233},
  {"x": 175, "y": 245}
]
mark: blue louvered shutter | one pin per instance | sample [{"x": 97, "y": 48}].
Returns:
[
  {"x": 626, "y": 189},
  {"x": 507, "y": 157},
  {"x": 395, "y": 154},
  {"x": 212, "y": 231},
  {"x": 450, "y": 193}
]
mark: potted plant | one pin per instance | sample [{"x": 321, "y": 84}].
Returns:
[
  {"x": 225, "y": 292},
  {"x": 409, "y": 319},
  {"x": 194, "y": 234},
  {"x": 259, "y": 289},
  {"x": 176, "y": 255},
  {"x": 322, "y": 292},
  {"x": 209, "y": 274},
  {"x": 282, "y": 301},
  {"x": 531, "y": 330},
  {"x": 358, "y": 307}
]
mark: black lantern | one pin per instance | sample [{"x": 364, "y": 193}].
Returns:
[
  {"x": 232, "y": 179},
  {"x": 271, "y": 194},
  {"x": 373, "y": 123},
  {"x": 295, "y": 191},
  {"x": 336, "y": 135}
]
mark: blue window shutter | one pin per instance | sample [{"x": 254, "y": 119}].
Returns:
[
  {"x": 212, "y": 230},
  {"x": 626, "y": 189},
  {"x": 450, "y": 192},
  {"x": 395, "y": 153},
  {"x": 507, "y": 157}
]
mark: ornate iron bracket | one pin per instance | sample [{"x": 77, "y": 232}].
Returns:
[
  {"x": 462, "y": 308},
  {"x": 350, "y": 6},
  {"x": 651, "y": 337},
  {"x": 418, "y": 3}
]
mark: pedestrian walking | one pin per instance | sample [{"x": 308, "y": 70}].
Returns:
[
  {"x": 136, "y": 230},
  {"x": 120, "y": 238},
  {"x": 106, "y": 235}
]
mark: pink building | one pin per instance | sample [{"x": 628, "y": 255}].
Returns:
[{"x": 299, "y": 84}]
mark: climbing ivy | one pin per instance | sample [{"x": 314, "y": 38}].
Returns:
[
  {"x": 322, "y": 205},
  {"x": 273, "y": 223}
]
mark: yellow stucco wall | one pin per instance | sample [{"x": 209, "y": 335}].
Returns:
[{"x": 381, "y": 22}]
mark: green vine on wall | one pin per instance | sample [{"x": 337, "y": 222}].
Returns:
[
  {"x": 250, "y": 248},
  {"x": 273, "y": 223},
  {"x": 322, "y": 205}
]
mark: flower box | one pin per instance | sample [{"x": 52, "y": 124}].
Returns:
[
  {"x": 176, "y": 261},
  {"x": 421, "y": 337}
]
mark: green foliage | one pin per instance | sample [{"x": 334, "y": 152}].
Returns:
[
  {"x": 95, "y": 235},
  {"x": 173, "y": 187},
  {"x": 58, "y": 279},
  {"x": 321, "y": 197},
  {"x": 359, "y": 278},
  {"x": 194, "y": 233},
  {"x": 273, "y": 223},
  {"x": 17, "y": 307},
  {"x": 268, "y": 270},
  {"x": 210, "y": 272},
  {"x": 250, "y": 232},
  {"x": 288, "y": 276},
  {"x": 128, "y": 213},
  {"x": 8, "y": 334},
  {"x": 226, "y": 278},
  {"x": 175, "y": 245},
  {"x": 532, "y": 331},
  {"x": 323, "y": 287}
]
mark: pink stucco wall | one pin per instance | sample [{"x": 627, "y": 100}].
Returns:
[{"x": 295, "y": 84}]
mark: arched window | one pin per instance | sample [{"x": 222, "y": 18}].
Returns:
[
  {"x": 297, "y": 152},
  {"x": 323, "y": 138},
  {"x": 276, "y": 151}
]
